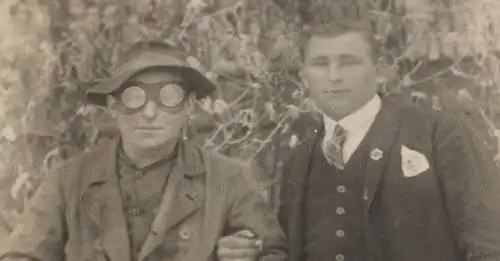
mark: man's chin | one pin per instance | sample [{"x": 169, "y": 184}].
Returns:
[
  {"x": 154, "y": 144},
  {"x": 151, "y": 140}
]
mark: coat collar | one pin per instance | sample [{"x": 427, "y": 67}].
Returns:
[
  {"x": 299, "y": 169},
  {"x": 101, "y": 200},
  {"x": 101, "y": 197},
  {"x": 189, "y": 157}
]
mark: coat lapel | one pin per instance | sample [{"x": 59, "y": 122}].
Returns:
[
  {"x": 189, "y": 198},
  {"x": 300, "y": 165},
  {"x": 383, "y": 133},
  {"x": 185, "y": 192},
  {"x": 101, "y": 199}
]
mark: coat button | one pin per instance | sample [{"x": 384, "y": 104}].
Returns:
[
  {"x": 340, "y": 211},
  {"x": 341, "y": 189},
  {"x": 133, "y": 211},
  {"x": 339, "y": 257},
  {"x": 98, "y": 245},
  {"x": 340, "y": 233},
  {"x": 184, "y": 234},
  {"x": 139, "y": 174}
]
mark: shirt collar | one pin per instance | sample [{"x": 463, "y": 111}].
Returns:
[{"x": 357, "y": 120}]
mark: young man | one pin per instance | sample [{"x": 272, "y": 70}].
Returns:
[
  {"x": 380, "y": 180},
  {"x": 148, "y": 195}
]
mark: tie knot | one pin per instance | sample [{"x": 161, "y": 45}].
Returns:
[
  {"x": 339, "y": 134},
  {"x": 333, "y": 149}
]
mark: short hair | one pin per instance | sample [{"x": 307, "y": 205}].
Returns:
[{"x": 334, "y": 28}]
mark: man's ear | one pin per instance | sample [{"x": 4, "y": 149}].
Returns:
[
  {"x": 110, "y": 102},
  {"x": 191, "y": 102}
]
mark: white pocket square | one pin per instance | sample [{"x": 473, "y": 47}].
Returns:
[{"x": 413, "y": 162}]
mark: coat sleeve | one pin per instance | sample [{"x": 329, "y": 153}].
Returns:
[
  {"x": 249, "y": 209},
  {"x": 471, "y": 186},
  {"x": 40, "y": 234}
]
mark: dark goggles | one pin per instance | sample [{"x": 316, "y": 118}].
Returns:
[{"x": 133, "y": 97}]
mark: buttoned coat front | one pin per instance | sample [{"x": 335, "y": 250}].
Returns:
[
  {"x": 446, "y": 212},
  {"x": 77, "y": 213}
]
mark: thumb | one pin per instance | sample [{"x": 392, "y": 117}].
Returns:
[{"x": 245, "y": 233}]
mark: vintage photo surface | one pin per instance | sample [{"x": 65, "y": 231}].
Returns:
[{"x": 270, "y": 130}]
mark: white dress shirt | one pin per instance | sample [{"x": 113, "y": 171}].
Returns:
[{"x": 356, "y": 125}]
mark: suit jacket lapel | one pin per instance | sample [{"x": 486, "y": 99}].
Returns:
[
  {"x": 382, "y": 135},
  {"x": 101, "y": 199},
  {"x": 300, "y": 165},
  {"x": 185, "y": 192}
]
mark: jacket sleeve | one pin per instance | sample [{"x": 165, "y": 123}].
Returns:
[
  {"x": 250, "y": 210},
  {"x": 471, "y": 186},
  {"x": 40, "y": 234}
]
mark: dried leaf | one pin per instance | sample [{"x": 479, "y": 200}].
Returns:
[
  {"x": 20, "y": 183},
  {"x": 220, "y": 106},
  {"x": 269, "y": 107},
  {"x": 407, "y": 81},
  {"x": 293, "y": 111},
  {"x": 8, "y": 133},
  {"x": 293, "y": 141}
]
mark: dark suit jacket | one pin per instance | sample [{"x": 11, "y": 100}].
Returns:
[
  {"x": 77, "y": 213},
  {"x": 449, "y": 212}
]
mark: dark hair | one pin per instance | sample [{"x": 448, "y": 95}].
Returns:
[{"x": 334, "y": 28}]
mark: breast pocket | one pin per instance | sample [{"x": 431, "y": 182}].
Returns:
[
  {"x": 86, "y": 250},
  {"x": 182, "y": 238},
  {"x": 97, "y": 252},
  {"x": 85, "y": 239}
]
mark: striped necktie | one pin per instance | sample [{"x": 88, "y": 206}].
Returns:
[{"x": 333, "y": 149}]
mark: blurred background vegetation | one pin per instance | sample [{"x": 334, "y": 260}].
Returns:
[{"x": 441, "y": 54}]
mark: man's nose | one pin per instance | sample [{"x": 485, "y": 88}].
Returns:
[
  {"x": 150, "y": 110},
  {"x": 334, "y": 72}
]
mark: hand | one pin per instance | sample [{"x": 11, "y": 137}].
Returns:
[{"x": 242, "y": 245}]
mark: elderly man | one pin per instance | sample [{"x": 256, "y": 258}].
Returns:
[
  {"x": 150, "y": 194},
  {"x": 377, "y": 179}
]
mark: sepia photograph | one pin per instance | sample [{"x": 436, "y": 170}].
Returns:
[{"x": 250, "y": 130}]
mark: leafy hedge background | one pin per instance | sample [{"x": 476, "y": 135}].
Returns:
[{"x": 441, "y": 54}]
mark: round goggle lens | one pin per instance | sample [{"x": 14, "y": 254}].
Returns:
[
  {"x": 171, "y": 95},
  {"x": 133, "y": 97}
]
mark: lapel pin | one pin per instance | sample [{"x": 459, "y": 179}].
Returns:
[{"x": 376, "y": 154}]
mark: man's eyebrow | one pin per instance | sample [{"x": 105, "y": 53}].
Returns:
[
  {"x": 319, "y": 56},
  {"x": 349, "y": 56}
]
